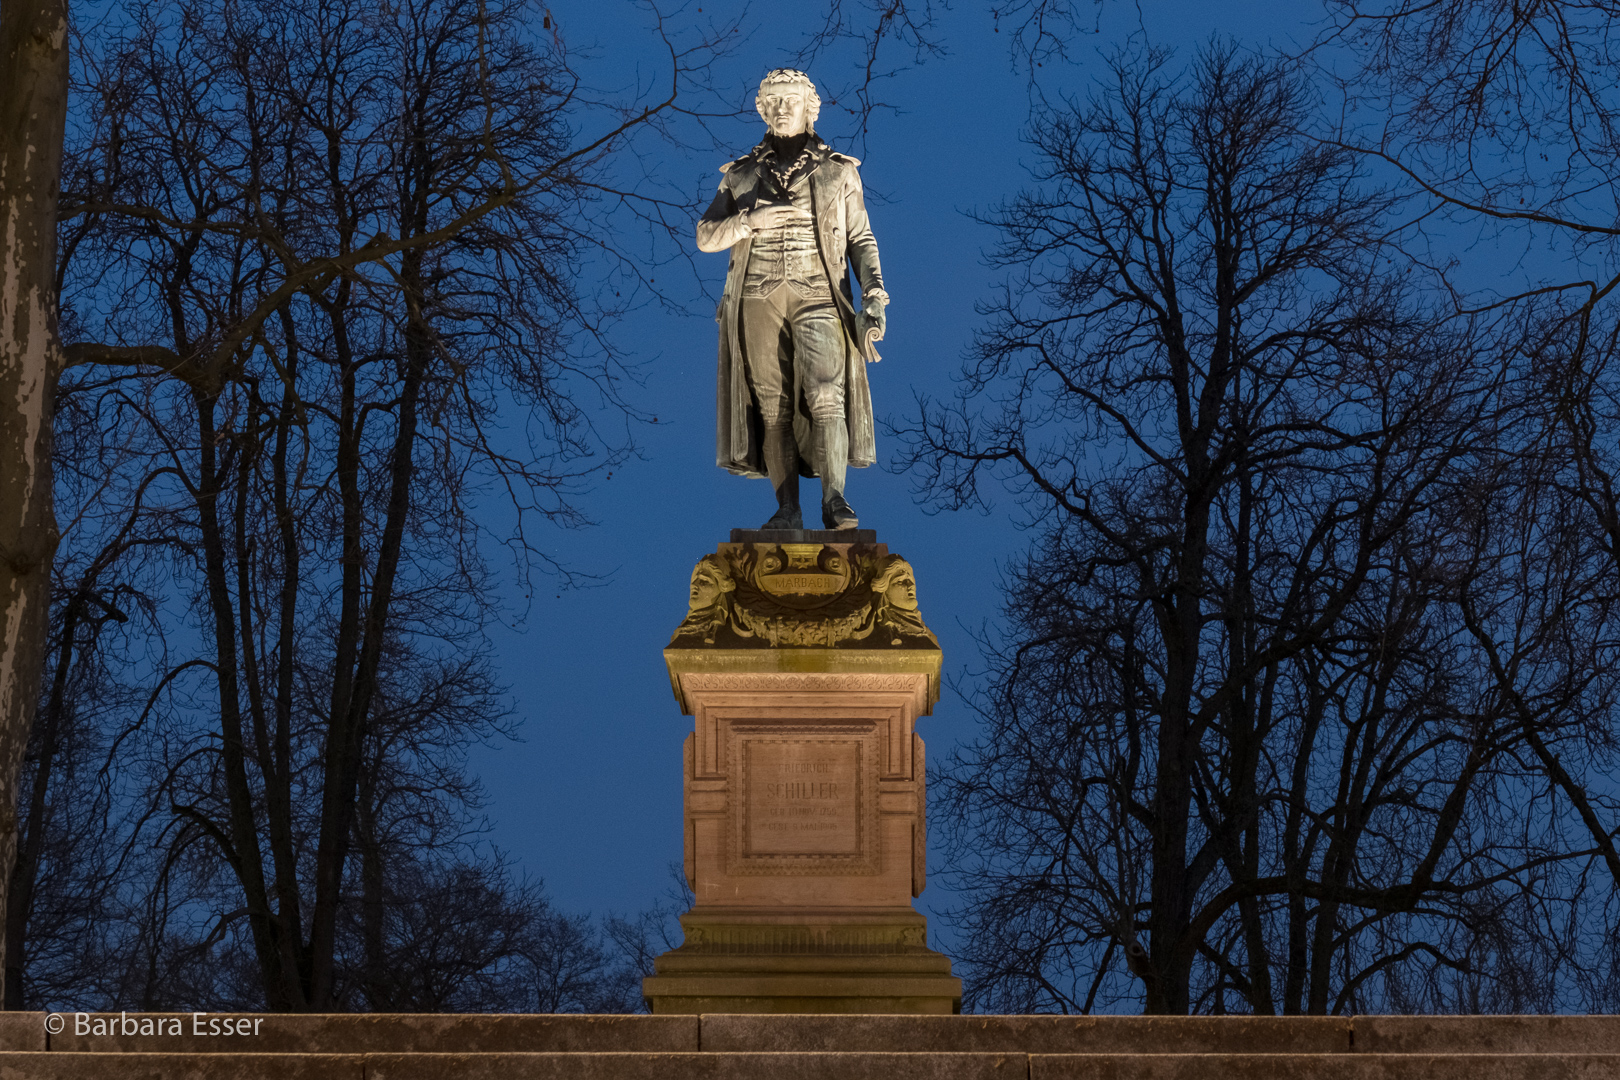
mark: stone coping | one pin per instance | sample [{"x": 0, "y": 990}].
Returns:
[
  {"x": 1172, "y": 1034},
  {"x": 803, "y": 1066},
  {"x": 303, "y": 1034},
  {"x": 348, "y": 1033}
]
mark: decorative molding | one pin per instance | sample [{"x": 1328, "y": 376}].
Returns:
[
  {"x": 812, "y": 940},
  {"x": 781, "y": 682},
  {"x": 799, "y": 727}
]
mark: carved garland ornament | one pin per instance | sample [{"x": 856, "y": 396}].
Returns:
[{"x": 802, "y": 595}]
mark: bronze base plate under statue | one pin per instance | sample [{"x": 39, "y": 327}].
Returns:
[{"x": 804, "y": 665}]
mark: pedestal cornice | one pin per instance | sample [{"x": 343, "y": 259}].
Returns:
[{"x": 715, "y": 670}]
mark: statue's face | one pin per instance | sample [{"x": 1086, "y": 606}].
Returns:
[
  {"x": 705, "y": 589},
  {"x": 903, "y": 592},
  {"x": 784, "y": 109}
]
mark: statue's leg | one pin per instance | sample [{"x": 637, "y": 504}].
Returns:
[
  {"x": 769, "y": 354},
  {"x": 832, "y": 439},
  {"x": 782, "y": 469},
  {"x": 818, "y": 338}
]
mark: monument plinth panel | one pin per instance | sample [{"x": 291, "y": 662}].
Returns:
[
  {"x": 805, "y": 805},
  {"x": 804, "y": 664}
]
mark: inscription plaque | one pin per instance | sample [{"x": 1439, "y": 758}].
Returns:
[
  {"x": 803, "y": 801},
  {"x": 801, "y": 797}
]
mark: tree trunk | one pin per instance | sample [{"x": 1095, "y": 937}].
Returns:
[
  {"x": 345, "y": 741},
  {"x": 25, "y": 872},
  {"x": 33, "y": 116},
  {"x": 238, "y": 840}
]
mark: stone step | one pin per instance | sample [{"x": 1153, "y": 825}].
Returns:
[
  {"x": 328, "y": 1040},
  {"x": 59, "y": 1065},
  {"x": 1169, "y": 1034},
  {"x": 1324, "y": 1067},
  {"x": 1030, "y": 1034},
  {"x": 351, "y": 1033},
  {"x": 1487, "y": 1034},
  {"x": 56, "y": 1065}
]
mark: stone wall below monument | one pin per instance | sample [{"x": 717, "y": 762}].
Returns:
[{"x": 350, "y": 1046}]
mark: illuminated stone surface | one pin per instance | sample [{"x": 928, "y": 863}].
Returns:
[{"x": 804, "y": 665}]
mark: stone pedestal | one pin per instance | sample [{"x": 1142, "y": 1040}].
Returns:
[{"x": 804, "y": 785}]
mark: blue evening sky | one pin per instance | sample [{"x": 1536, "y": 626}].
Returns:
[{"x": 590, "y": 800}]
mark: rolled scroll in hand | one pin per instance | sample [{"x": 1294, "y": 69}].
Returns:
[{"x": 871, "y": 331}]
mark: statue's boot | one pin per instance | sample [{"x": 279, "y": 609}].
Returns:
[
  {"x": 782, "y": 469},
  {"x": 832, "y": 448}
]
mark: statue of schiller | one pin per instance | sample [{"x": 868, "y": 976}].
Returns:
[{"x": 793, "y": 397}]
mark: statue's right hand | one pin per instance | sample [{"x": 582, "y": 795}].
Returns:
[{"x": 775, "y": 215}]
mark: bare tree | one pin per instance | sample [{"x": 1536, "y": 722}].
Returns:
[
  {"x": 204, "y": 348},
  {"x": 1506, "y": 118},
  {"x": 33, "y": 114},
  {"x": 320, "y": 250},
  {"x": 63, "y": 884},
  {"x": 1506, "y": 112},
  {"x": 1232, "y": 709}
]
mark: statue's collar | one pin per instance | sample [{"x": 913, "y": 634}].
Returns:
[
  {"x": 788, "y": 173},
  {"x": 813, "y": 146}
]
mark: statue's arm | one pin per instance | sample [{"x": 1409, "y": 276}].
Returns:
[
  {"x": 862, "y": 245},
  {"x": 721, "y": 225}
]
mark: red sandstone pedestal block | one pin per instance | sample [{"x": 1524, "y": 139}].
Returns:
[{"x": 805, "y": 667}]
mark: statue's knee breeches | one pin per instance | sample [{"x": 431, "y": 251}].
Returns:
[
  {"x": 794, "y": 347},
  {"x": 766, "y": 336},
  {"x": 818, "y": 362}
]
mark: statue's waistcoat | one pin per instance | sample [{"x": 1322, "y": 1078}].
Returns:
[{"x": 788, "y": 256}]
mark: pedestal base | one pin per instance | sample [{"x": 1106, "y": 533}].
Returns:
[
  {"x": 805, "y": 667},
  {"x": 823, "y": 961}
]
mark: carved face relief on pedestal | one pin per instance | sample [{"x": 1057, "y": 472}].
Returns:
[
  {"x": 902, "y": 593},
  {"x": 706, "y": 586},
  {"x": 709, "y": 599},
  {"x": 895, "y": 587},
  {"x": 788, "y": 102}
]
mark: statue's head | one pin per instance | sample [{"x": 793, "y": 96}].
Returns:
[
  {"x": 788, "y": 103},
  {"x": 709, "y": 582},
  {"x": 896, "y": 584}
]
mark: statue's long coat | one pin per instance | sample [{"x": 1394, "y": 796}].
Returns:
[{"x": 844, "y": 240}]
